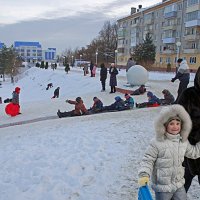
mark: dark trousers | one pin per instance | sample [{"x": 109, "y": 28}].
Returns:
[
  {"x": 188, "y": 179},
  {"x": 103, "y": 83},
  {"x": 182, "y": 86},
  {"x": 113, "y": 89},
  {"x": 67, "y": 114}
]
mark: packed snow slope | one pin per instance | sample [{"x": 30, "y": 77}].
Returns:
[{"x": 81, "y": 158}]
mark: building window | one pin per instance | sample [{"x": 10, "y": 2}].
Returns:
[
  {"x": 192, "y": 2},
  {"x": 192, "y": 60},
  {"x": 168, "y": 60},
  {"x": 178, "y": 21},
  {"x": 192, "y": 16},
  {"x": 179, "y": 6},
  {"x": 160, "y": 59},
  {"x": 194, "y": 45},
  {"x": 170, "y": 8}
]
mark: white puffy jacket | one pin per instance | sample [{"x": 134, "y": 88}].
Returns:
[{"x": 163, "y": 159}]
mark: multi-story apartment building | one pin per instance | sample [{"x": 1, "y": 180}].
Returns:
[
  {"x": 32, "y": 51},
  {"x": 175, "y": 29}
]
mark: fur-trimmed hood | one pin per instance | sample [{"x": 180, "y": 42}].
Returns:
[{"x": 169, "y": 112}]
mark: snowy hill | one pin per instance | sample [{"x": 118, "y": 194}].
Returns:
[{"x": 81, "y": 158}]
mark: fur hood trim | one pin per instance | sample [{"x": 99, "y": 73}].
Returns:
[{"x": 170, "y": 112}]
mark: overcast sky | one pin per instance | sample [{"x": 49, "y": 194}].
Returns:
[{"x": 60, "y": 23}]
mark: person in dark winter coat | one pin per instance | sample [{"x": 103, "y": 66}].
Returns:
[
  {"x": 129, "y": 64},
  {"x": 56, "y": 93},
  {"x": 168, "y": 98},
  {"x": 97, "y": 106},
  {"x": 103, "y": 76},
  {"x": 118, "y": 105},
  {"x": 113, "y": 77},
  {"x": 79, "y": 110},
  {"x": 49, "y": 85},
  {"x": 152, "y": 100},
  {"x": 183, "y": 74},
  {"x": 129, "y": 102},
  {"x": 190, "y": 100},
  {"x": 91, "y": 68},
  {"x": 140, "y": 90}
]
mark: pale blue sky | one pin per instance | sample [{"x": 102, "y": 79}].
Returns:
[{"x": 61, "y": 24}]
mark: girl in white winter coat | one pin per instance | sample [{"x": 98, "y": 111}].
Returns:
[{"x": 165, "y": 155}]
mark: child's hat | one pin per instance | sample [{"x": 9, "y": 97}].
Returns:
[
  {"x": 149, "y": 94},
  {"x": 117, "y": 98},
  {"x": 17, "y": 89},
  {"x": 94, "y": 98},
  {"x": 78, "y": 99},
  {"x": 172, "y": 118}
]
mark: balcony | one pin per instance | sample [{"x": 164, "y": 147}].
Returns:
[
  {"x": 170, "y": 40},
  {"x": 135, "y": 24},
  {"x": 167, "y": 51},
  {"x": 171, "y": 27},
  {"x": 149, "y": 21},
  {"x": 190, "y": 51},
  {"x": 170, "y": 14},
  {"x": 192, "y": 23},
  {"x": 193, "y": 8},
  {"x": 192, "y": 37}
]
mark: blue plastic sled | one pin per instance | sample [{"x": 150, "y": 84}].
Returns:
[{"x": 144, "y": 193}]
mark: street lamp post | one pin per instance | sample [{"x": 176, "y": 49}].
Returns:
[
  {"x": 72, "y": 61},
  {"x": 80, "y": 59},
  {"x": 178, "y": 44},
  {"x": 96, "y": 56},
  {"x": 116, "y": 57}
]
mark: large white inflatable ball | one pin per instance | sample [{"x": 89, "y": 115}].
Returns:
[{"x": 137, "y": 75}]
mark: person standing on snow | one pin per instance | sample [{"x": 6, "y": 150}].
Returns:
[
  {"x": 103, "y": 76},
  {"x": 56, "y": 93},
  {"x": 190, "y": 100},
  {"x": 113, "y": 77},
  {"x": 15, "y": 97},
  {"x": 129, "y": 64},
  {"x": 91, "y": 68},
  {"x": 183, "y": 74},
  {"x": 94, "y": 70}
]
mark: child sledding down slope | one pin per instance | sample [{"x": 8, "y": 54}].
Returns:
[{"x": 165, "y": 155}]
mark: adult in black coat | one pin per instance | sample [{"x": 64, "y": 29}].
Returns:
[
  {"x": 56, "y": 92},
  {"x": 190, "y": 100},
  {"x": 103, "y": 76},
  {"x": 183, "y": 74},
  {"x": 91, "y": 68},
  {"x": 113, "y": 77}
]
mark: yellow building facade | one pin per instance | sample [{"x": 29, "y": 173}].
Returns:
[{"x": 175, "y": 29}]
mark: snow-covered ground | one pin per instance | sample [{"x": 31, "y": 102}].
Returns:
[{"x": 94, "y": 157}]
